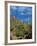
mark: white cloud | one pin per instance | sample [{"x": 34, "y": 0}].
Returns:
[
  {"x": 29, "y": 13},
  {"x": 22, "y": 13},
  {"x": 29, "y": 9},
  {"x": 14, "y": 8},
  {"x": 21, "y": 9}
]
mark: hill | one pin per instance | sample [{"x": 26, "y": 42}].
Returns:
[{"x": 20, "y": 30}]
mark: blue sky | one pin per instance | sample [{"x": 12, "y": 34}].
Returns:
[{"x": 21, "y": 12}]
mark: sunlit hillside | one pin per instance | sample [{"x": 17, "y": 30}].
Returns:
[{"x": 20, "y": 30}]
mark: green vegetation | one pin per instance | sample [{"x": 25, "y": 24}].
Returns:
[{"x": 20, "y": 29}]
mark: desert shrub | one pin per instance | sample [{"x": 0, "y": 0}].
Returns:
[
  {"x": 28, "y": 35},
  {"x": 20, "y": 31}
]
